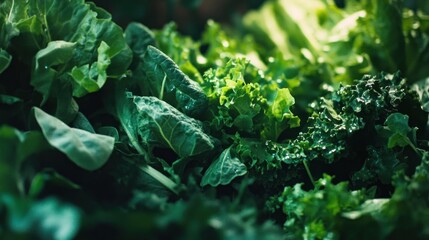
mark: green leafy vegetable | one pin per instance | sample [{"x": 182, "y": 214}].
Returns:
[
  {"x": 139, "y": 37},
  {"x": 161, "y": 124},
  {"x": 300, "y": 120},
  {"x": 246, "y": 102},
  {"x": 223, "y": 170},
  {"x": 87, "y": 150},
  {"x": 398, "y": 132},
  {"x": 313, "y": 214},
  {"x": 169, "y": 83},
  {"x": 56, "y": 53},
  {"x": 80, "y": 41}
]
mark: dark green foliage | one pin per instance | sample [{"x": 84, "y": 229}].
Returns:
[
  {"x": 348, "y": 110},
  {"x": 141, "y": 133}
]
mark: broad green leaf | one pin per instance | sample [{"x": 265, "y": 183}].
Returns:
[
  {"x": 87, "y": 150},
  {"x": 139, "y": 37},
  {"x": 124, "y": 109},
  {"x": 81, "y": 122},
  {"x": 99, "y": 50},
  {"x": 109, "y": 131},
  {"x": 161, "y": 124},
  {"x": 223, "y": 170},
  {"x": 10, "y": 15},
  {"x": 169, "y": 83},
  {"x": 44, "y": 76}
]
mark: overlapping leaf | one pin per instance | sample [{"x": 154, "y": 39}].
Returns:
[
  {"x": 88, "y": 150},
  {"x": 161, "y": 124}
]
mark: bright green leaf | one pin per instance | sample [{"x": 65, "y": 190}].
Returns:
[{"x": 90, "y": 78}]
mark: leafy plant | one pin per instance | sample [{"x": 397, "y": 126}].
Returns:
[{"x": 302, "y": 121}]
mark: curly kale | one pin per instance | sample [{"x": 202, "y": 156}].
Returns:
[
  {"x": 344, "y": 113},
  {"x": 344, "y": 132},
  {"x": 313, "y": 214}
]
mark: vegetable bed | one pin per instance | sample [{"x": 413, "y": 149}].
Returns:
[{"x": 301, "y": 120}]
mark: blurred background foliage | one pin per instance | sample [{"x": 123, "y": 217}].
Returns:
[{"x": 189, "y": 15}]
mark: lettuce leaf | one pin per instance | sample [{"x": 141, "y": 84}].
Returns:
[{"x": 96, "y": 46}]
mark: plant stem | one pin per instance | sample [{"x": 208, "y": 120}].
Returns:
[
  {"x": 168, "y": 183},
  {"x": 172, "y": 186},
  {"x": 307, "y": 169}
]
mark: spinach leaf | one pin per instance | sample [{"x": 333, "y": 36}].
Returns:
[
  {"x": 87, "y": 150},
  {"x": 223, "y": 170},
  {"x": 125, "y": 110},
  {"x": 169, "y": 83},
  {"x": 160, "y": 124}
]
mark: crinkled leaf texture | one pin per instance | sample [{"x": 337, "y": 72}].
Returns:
[
  {"x": 168, "y": 82},
  {"x": 422, "y": 89},
  {"x": 161, "y": 124},
  {"x": 87, "y": 150},
  {"x": 223, "y": 170},
  {"x": 93, "y": 45}
]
